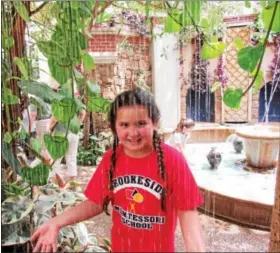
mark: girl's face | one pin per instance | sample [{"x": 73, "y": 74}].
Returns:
[{"x": 135, "y": 130}]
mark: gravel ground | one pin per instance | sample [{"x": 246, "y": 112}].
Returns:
[{"x": 219, "y": 236}]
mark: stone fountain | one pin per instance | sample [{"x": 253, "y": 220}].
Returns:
[{"x": 261, "y": 144}]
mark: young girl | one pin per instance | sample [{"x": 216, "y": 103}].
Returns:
[
  {"x": 148, "y": 183},
  {"x": 181, "y": 134}
]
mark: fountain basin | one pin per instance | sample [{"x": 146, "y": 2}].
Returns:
[{"x": 261, "y": 144}]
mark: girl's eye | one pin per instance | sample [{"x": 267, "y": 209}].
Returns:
[
  {"x": 141, "y": 124},
  {"x": 123, "y": 124}
]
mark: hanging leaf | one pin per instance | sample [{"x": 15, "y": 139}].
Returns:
[
  {"x": 82, "y": 233},
  {"x": 83, "y": 41},
  {"x": 172, "y": 22},
  {"x": 249, "y": 56},
  {"x": 7, "y": 154},
  {"x": 7, "y": 137},
  {"x": 40, "y": 90},
  {"x": 75, "y": 125},
  {"x": 20, "y": 64},
  {"x": 8, "y": 97},
  {"x": 88, "y": 62},
  {"x": 56, "y": 145},
  {"x": 266, "y": 16},
  {"x": 59, "y": 73},
  {"x": 232, "y": 97},
  {"x": 238, "y": 43},
  {"x": 36, "y": 176},
  {"x": 63, "y": 109},
  {"x": 191, "y": 13},
  {"x": 96, "y": 103},
  {"x": 20, "y": 206},
  {"x": 7, "y": 41},
  {"x": 22, "y": 11},
  {"x": 212, "y": 49},
  {"x": 36, "y": 144}
]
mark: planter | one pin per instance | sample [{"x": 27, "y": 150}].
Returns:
[{"x": 261, "y": 144}]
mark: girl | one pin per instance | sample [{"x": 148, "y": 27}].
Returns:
[
  {"x": 148, "y": 183},
  {"x": 181, "y": 134}
]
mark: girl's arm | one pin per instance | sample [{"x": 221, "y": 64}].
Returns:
[
  {"x": 45, "y": 237},
  {"x": 191, "y": 231}
]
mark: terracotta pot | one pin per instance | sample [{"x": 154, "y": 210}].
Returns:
[{"x": 261, "y": 144}]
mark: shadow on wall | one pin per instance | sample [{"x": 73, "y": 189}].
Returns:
[{"x": 274, "y": 109}]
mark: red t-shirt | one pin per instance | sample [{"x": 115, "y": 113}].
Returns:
[{"x": 139, "y": 224}]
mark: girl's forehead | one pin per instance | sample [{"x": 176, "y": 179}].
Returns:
[{"x": 132, "y": 112}]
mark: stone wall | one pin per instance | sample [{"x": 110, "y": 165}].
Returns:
[{"x": 132, "y": 66}]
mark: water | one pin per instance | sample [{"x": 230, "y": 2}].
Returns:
[{"x": 230, "y": 179}]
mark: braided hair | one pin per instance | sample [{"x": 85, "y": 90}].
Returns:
[{"x": 136, "y": 96}]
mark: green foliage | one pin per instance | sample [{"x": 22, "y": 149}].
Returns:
[
  {"x": 248, "y": 57},
  {"x": 88, "y": 62},
  {"x": 232, "y": 97},
  {"x": 63, "y": 110},
  {"x": 266, "y": 16},
  {"x": 191, "y": 13},
  {"x": 56, "y": 145},
  {"x": 7, "y": 137},
  {"x": 96, "y": 103},
  {"x": 75, "y": 125},
  {"x": 36, "y": 176},
  {"x": 212, "y": 49},
  {"x": 172, "y": 23},
  {"x": 22, "y": 11},
  {"x": 8, "y": 97},
  {"x": 9, "y": 157}
]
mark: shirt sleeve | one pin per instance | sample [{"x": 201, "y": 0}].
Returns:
[
  {"x": 98, "y": 186},
  {"x": 185, "y": 194}
]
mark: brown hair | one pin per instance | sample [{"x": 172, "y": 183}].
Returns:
[{"x": 136, "y": 97}]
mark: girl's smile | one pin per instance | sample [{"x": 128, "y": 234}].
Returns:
[{"x": 135, "y": 130}]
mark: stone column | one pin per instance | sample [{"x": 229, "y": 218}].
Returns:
[{"x": 166, "y": 85}]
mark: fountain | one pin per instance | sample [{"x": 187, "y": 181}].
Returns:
[
  {"x": 232, "y": 192},
  {"x": 261, "y": 144}
]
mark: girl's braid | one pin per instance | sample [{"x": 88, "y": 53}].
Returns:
[
  {"x": 111, "y": 174},
  {"x": 161, "y": 166}
]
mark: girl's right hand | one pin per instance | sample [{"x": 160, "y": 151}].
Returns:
[{"x": 45, "y": 238}]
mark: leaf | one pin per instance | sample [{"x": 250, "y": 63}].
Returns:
[
  {"x": 8, "y": 97},
  {"x": 20, "y": 64},
  {"x": 247, "y": 4},
  {"x": 238, "y": 43},
  {"x": 172, "y": 23},
  {"x": 59, "y": 73},
  {"x": 8, "y": 137},
  {"x": 191, "y": 13},
  {"x": 88, "y": 62},
  {"x": 75, "y": 125},
  {"x": 36, "y": 176},
  {"x": 56, "y": 145},
  {"x": 82, "y": 233},
  {"x": 8, "y": 41},
  {"x": 232, "y": 97},
  {"x": 83, "y": 41},
  {"x": 7, "y": 154},
  {"x": 15, "y": 209},
  {"x": 22, "y": 11},
  {"x": 96, "y": 103},
  {"x": 249, "y": 56},
  {"x": 266, "y": 16},
  {"x": 40, "y": 90},
  {"x": 16, "y": 233},
  {"x": 36, "y": 144},
  {"x": 212, "y": 49},
  {"x": 63, "y": 110},
  {"x": 93, "y": 87}
]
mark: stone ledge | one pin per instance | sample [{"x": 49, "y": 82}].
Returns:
[{"x": 104, "y": 57}]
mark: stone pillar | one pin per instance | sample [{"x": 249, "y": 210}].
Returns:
[{"x": 165, "y": 72}]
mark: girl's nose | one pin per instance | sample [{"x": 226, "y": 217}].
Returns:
[{"x": 133, "y": 131}]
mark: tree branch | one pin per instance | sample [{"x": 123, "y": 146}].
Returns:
[{"x": 38, "y": 8}]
